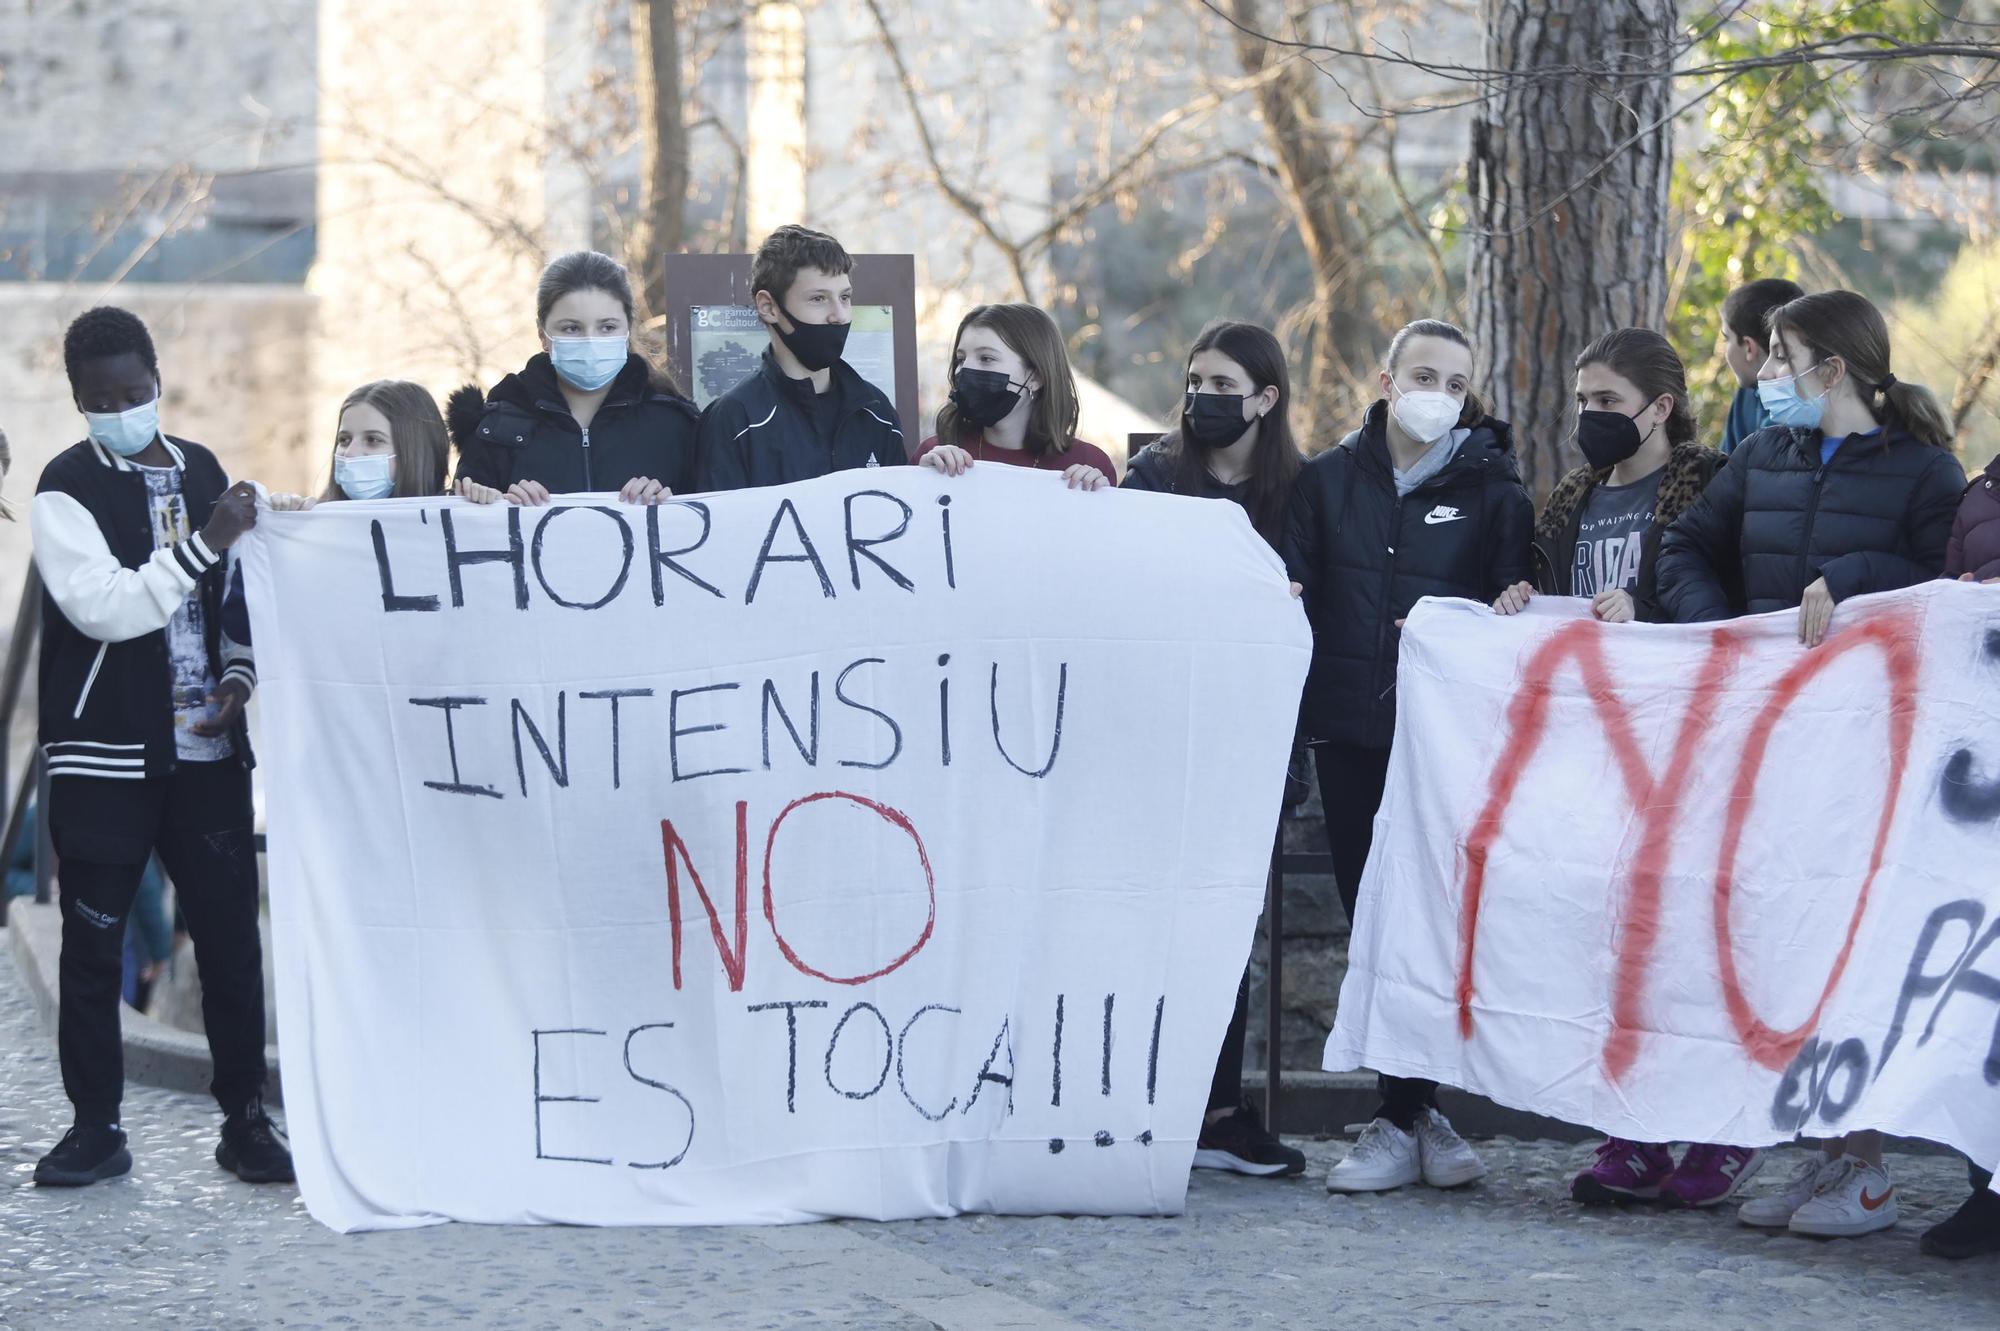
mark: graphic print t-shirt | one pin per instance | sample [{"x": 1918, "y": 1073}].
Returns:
[
  {"x": 187, "y": 636},
  {"x": 1615, "y": 519}
]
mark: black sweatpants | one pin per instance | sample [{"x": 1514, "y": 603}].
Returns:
[
  {"x": 198, "y": 818},
  {"x": 1351, "y": 780},
  {"x": 1226, "y": 1090}
]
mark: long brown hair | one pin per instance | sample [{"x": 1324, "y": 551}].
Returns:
[
  {"x": 416, "y": 432},
  {"x": 1032, "y": 335},
  {"x": 1276, "y": 461},
  {"x": 1843, "y": 324},
  {"x": 1650, "y": 364}
]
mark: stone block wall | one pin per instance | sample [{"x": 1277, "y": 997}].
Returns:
[{"x": 1315, "y": 953}]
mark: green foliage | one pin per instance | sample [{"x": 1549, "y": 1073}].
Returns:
[
  {"x": 1941, "y": 340},
  {"x": 1748, "y": 190}
]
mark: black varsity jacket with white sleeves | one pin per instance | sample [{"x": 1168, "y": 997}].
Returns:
[{"x": 106, "y": 682}]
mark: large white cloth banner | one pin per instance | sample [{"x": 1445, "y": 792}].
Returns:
[
  {"x": 879, "y": 846},
  {"x": 1694, "y": 883}
]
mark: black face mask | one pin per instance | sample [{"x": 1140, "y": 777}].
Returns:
[
  {"x": 815, "y": 346},
  {"x": 1607, "y": 438},
  {"x": 1214, "y": 420},
  {"x": 983, "y": 397}
]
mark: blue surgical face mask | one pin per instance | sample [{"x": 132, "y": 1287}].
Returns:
[
  {"x": 125, "y": 433},
  {"x": 588, "y": 363},
  {"x": 370, "y": 476},
  {"x": 1784, "y": 404}
]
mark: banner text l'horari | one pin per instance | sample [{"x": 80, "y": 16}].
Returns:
[{"x": 881, "y": 845}]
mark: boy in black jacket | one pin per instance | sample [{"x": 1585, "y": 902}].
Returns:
[
  {"x": 142, "y": 699},
  {"x": 805, "y": 412}
]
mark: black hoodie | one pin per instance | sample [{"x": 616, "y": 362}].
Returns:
[
  {"x": 1365, "y": 556},
  {"x": 523, "y": 431}
]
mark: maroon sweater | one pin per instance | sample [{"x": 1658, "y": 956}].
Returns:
[
  {"x": 1975, "y": 533},
  {"x": 1089, "y": 455}
]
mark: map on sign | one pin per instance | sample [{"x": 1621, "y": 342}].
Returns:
[{"x": 726, "y": 342}]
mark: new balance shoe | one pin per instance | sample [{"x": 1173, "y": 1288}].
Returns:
[
  {"x": 1443, "y": 1157},
  {"x": 1625, "y": 1172},
  {"x": 1383, "y": 1157},
  {"x": 1972, "y": 1231},
  {"x": 1710, "y": 1175},
  {"x": 252, "y": 1148},
  {"x": 1775, "y": 1210},
  {"x": 1852, "y": 1199},
  {"x": 88, "y": 1153},
  {"x": 1239, "y": 1143}
]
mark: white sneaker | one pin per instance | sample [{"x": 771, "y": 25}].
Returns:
[
  {"x": 1446, "y": 1160},
  {"x": 1775, "y": 1211},
  {"x": 1852, "y": 1199},
  {"x": 1384, "y": 1157}
]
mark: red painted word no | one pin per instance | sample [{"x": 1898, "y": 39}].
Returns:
[
  {"x": 1656, "y": 801},
  {"x": 736, "y": 957}
]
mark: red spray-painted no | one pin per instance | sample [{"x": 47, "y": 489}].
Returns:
[{"x": 1656, "y": 801}]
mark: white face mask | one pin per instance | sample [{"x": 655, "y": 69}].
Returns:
[
  {"x": 1427, "y": 416},
  {"x": 589, "y": 363},
  {"x": 126, "y": 433},
  {"x": 370, "y": 476}
]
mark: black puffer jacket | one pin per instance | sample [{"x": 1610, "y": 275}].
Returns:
[
  {"x": 1875, "y": 518},
  {"x": 523, "y": 431},
  {"x": 1365, "y": 556}
]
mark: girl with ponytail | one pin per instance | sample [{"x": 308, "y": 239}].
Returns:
[
  {"x": 1851, "y": 489},
  {"x": 1423, "y": 499},
  {"x": 1851, "y": 453}
]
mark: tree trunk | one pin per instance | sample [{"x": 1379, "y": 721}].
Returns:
[
  {"x": 1288, "y": 104},
  {"x": 663, "y": 154},
  {"x": 1568, "y": 181}
]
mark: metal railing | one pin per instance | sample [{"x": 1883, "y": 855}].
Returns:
[
  {"x": 1283, "y": 865},
  {"x": 34, "y": 782}
]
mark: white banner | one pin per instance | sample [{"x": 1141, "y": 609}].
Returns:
[
  {"x": 877, "y": 846},
  {"x": 1694, "y": 883}
]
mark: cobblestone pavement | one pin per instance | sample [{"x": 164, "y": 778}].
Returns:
[{"x": 181, "y": 1244}]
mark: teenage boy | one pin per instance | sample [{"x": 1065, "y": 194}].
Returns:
[
  {"x": 142, "y": 699},
  {"x": 805, "y": 412},
  {"x": 1746, "y": 344}
]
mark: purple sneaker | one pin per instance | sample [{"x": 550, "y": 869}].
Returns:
[
  {"x": 1711, "y": 1175},
  {"x": 1624, "y": 1172}
]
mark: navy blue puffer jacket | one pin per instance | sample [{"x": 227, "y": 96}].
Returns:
[{"x": 1874, "y": 518}]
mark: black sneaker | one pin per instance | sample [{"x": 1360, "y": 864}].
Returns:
[
  {"x": 87, "y": 1153},
  {"x": 1972, "y": 1231},
  {"x": 252, "y": 1148},
  {"x": 1239, "y": 1143}
]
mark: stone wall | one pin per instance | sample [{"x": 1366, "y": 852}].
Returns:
[{"x": 1315, "y": 953}]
